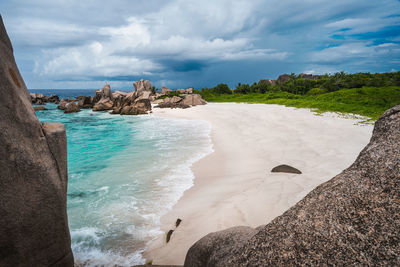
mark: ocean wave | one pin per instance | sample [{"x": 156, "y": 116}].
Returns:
[{"x": 117, "y": 199}]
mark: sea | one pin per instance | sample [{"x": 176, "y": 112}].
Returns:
[{"x": 124, "y": 174}]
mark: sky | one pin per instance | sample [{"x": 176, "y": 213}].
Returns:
[{"x": 61, "y": 44}]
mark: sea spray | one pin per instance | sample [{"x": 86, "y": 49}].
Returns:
[{"x": 125, "y": 172}]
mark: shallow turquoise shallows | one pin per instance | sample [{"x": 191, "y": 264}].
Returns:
[{"x": 125, "y": 172}]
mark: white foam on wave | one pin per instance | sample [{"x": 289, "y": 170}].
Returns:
[
  {"x": 139, "y": 185},
  {"x": 94, "y": 257}
]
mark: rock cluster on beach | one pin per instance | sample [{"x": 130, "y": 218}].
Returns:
[
  {"x": 136, "y": 102},
  {"x": 33, "y": 176},
  {"x": 184, "y": 101},
  {"x": 353, "y": 219}
]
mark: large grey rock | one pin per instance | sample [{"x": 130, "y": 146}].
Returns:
[
  {"x": 353, "y": 219},
  {"x": 267, "y": 81},
  {"x": 106, "y": 92},
  {"x": 144, "y": 95},
  {"x": 103, "y": 104},
  {"x": 193, "y": 100},
  {"x": 71, "y": 107},
  {"x": 138, "y": 108},
  {"x": 85, "y": 101},
  {"x": 214, "y": 248},
  {"x": 53, "y": 98},
  {"x": 64, "y": 102},
  {"x": 141, "y": 86},
  {"x": 165, "y": 90},
  {"x": 33, "y": 176}
]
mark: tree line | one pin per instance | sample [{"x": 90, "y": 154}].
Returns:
[{"x": 310, "y": 84}]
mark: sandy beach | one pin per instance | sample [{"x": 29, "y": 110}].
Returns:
[{"x": 234, "y": 185}]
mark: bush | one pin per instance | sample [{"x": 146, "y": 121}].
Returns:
[
  {"x": 221, "y": 88},
  {"x": 317, "y": 91}
]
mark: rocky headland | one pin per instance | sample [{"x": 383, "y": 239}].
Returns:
[
  {"x": 136, "y": 102},
  {"x": 33, "y": 176}
]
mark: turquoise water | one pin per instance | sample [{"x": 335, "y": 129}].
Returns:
[{"x": 125, "y": 172}]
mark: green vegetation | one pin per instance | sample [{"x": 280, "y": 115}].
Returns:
[
  {"x": 170, "y": 94},
  {"x": 369, "y": 94}
]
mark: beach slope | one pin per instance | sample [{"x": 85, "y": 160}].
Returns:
[{"x": 234, "y": 185}]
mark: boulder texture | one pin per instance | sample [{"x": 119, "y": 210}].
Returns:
[
  {"x": 33, "y": 176},
  {"x": 353, "y": 219},
  {"x": 63, "y": 103},
  {"x": 71, "y": 107},
  {"x": 267, "y": 81},
  {"x": 193, "y": 100},
  {"x": 84, "y": 101},
  {"x": 220, "y": 245},
  {"x": 142, "y": 86},
  {"x": 103, "y": 104},
  {"x": 165, "y": 90},
  {"x": 40, "y": 99},
  {"x": 182, "y": 101},
  {"x": 134, "y": 103}
]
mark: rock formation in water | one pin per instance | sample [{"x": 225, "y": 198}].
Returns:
[
  {"x": 33, "y": 176},
  {"x": 353, "y": 219},
  {"x": 85, "y": 101},
  {"x": 105, "y": 102},
  {"x": 134, "y": 103},
  {"x": 38, "y": 108},
  {"x": 71, "y": 107},
  {"x": 63, "y": 103},
  {"x": 40, "y": 99}
]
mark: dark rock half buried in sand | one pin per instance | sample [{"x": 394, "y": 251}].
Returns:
[
  {"x": 33, "y": 176},
  {"x": 286, "y": 169},
  {"x": 353, "y": 219}
]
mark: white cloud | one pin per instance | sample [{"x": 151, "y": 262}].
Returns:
[
  {"x": 362, "y": 25},
  {"x": 183, "y": 30},
  {"x": 239, "y": 40},
  {"x": 356, "y": 50}
]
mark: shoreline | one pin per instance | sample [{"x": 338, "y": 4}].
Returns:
[{"x": 233, "y": 185}]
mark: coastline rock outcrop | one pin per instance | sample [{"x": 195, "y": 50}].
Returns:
[
  {"x": 33, "y": 176},
  {"x": 134, "y": 103},
  {"x": 40, "y": 99},
  {"x": 182, "y": 101},
  {"x": 71, "y": 107},
  {"x": 193, "y": 100},
  {"x": 142, "y": 86},
  {"x": 267, "y": 81},
  {"x": 165, "y": 90},
  {"x": 105, "y": 102},
  {"x": 63, "y": 103},
  {"x": 85, "y": 101},
  {"x": 353, "y": 219}
]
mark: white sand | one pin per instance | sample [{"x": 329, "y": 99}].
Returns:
[{"x": 234, "y": 186}]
